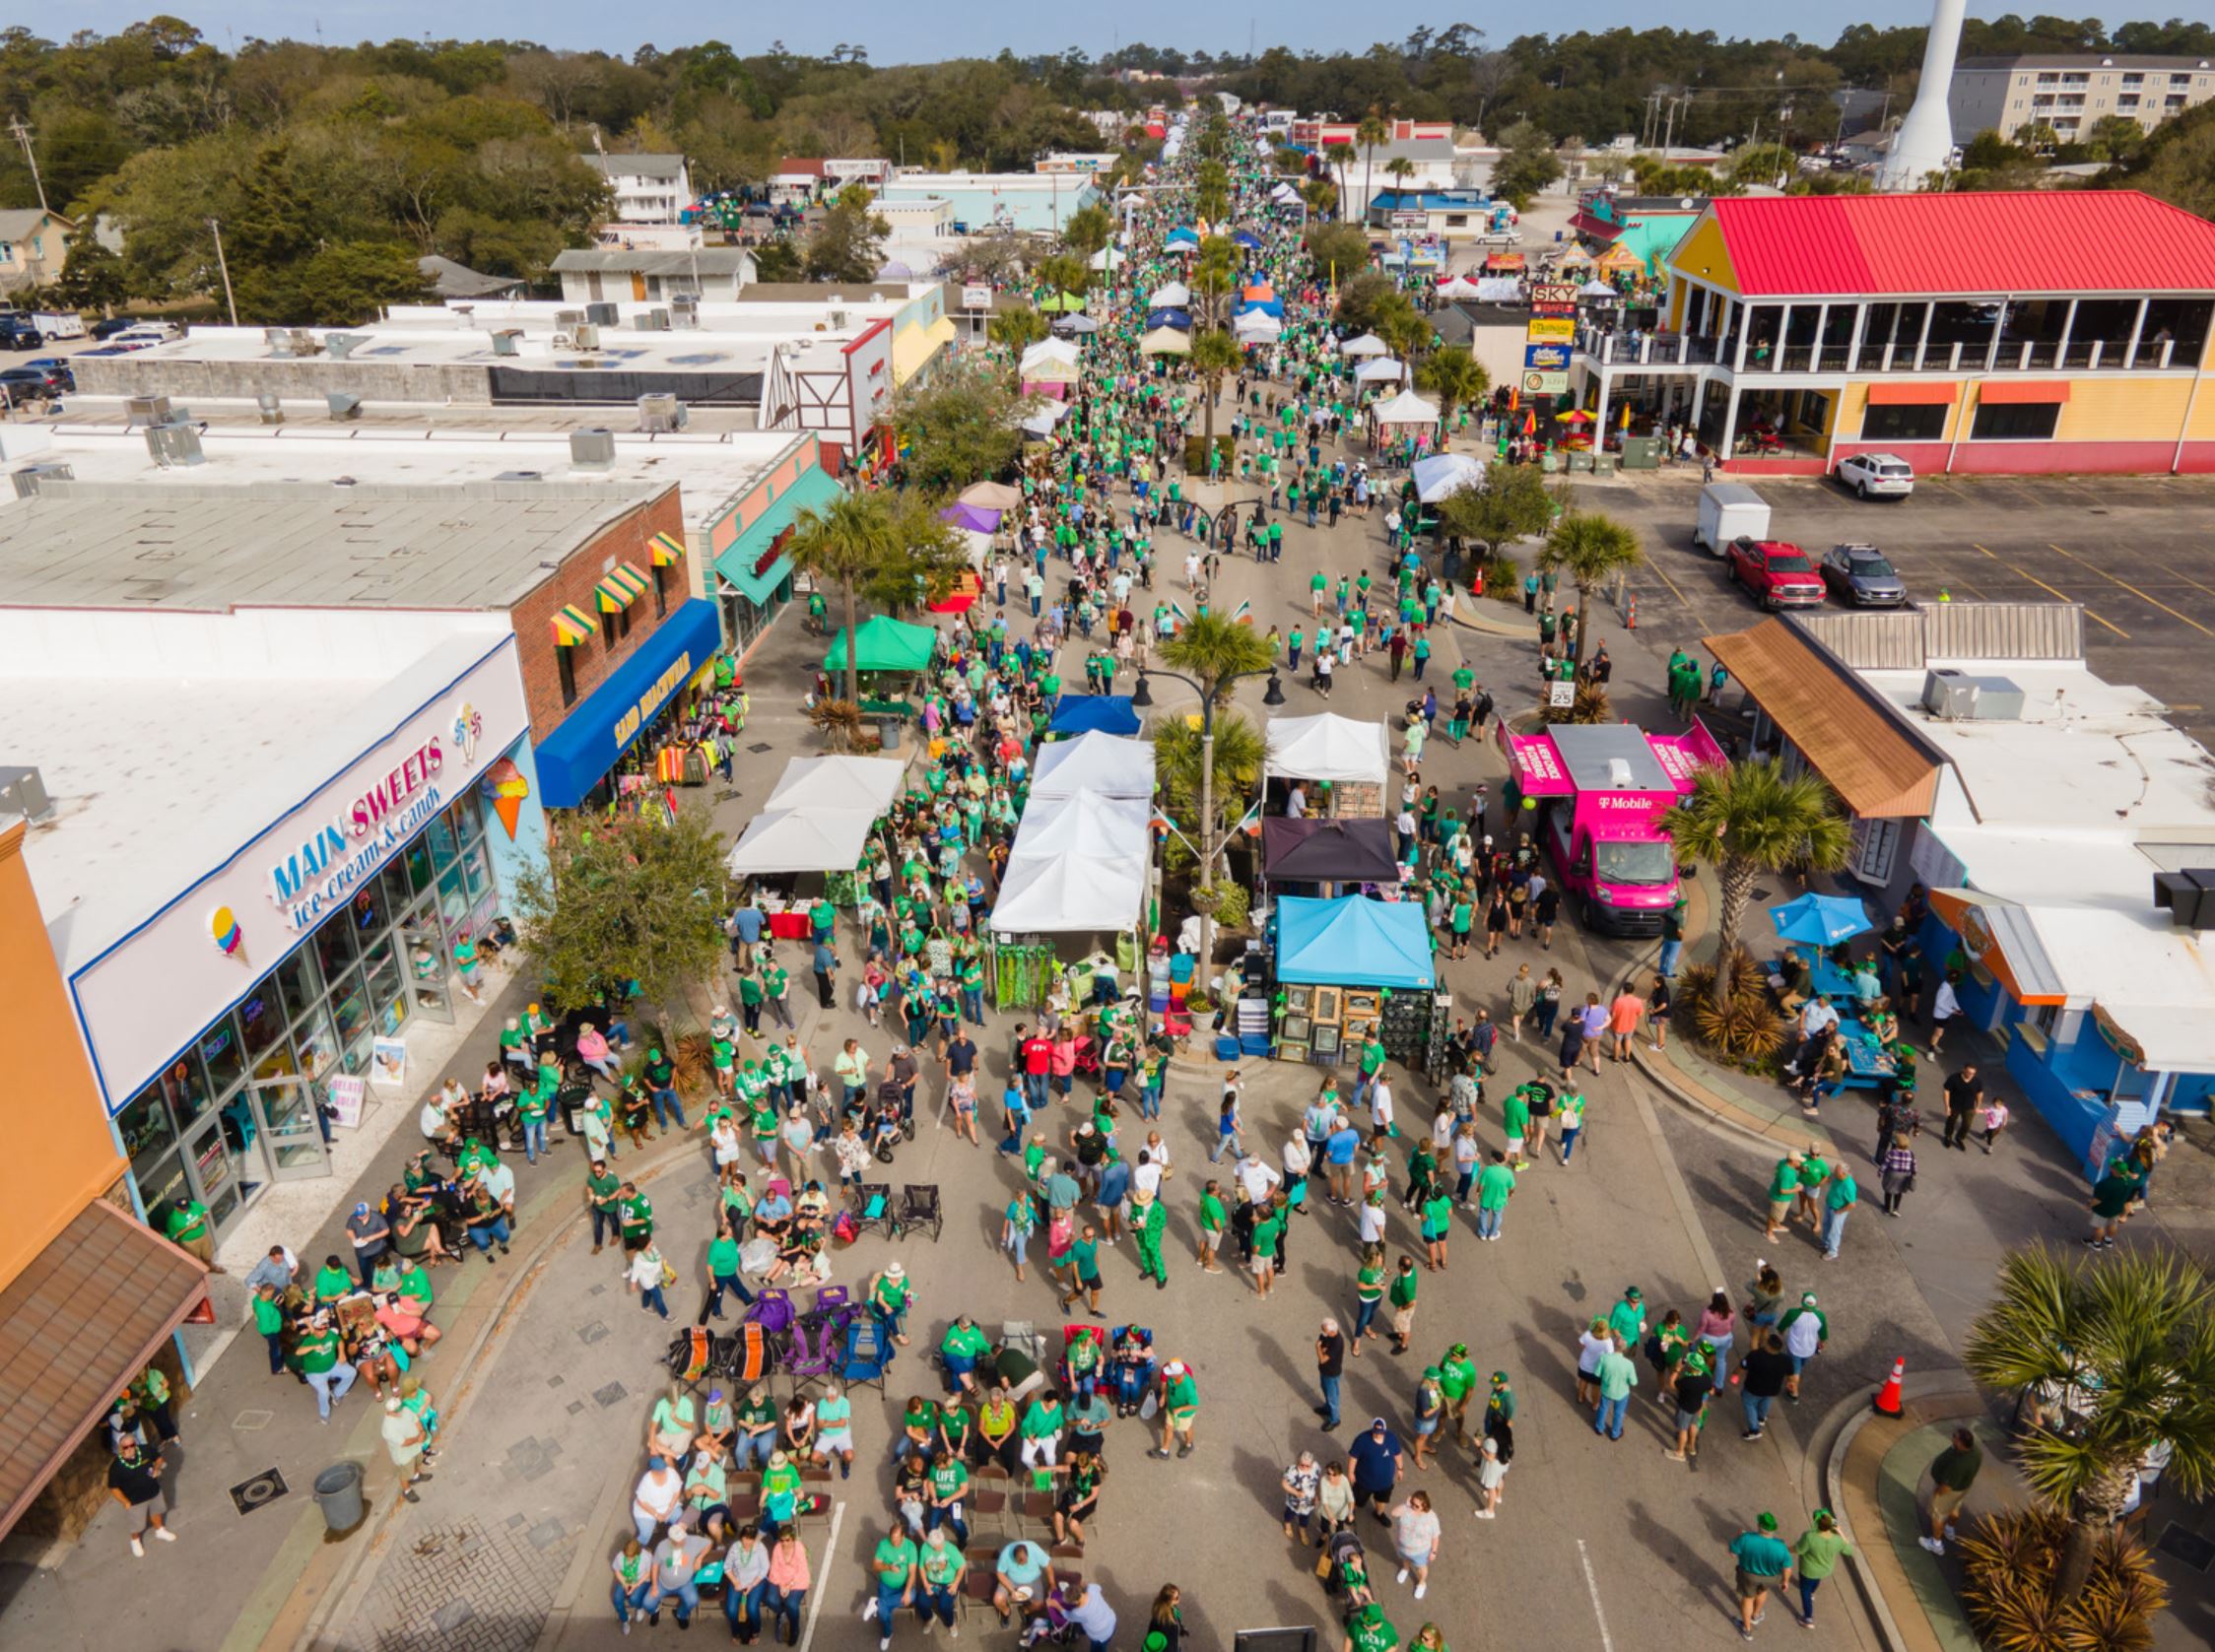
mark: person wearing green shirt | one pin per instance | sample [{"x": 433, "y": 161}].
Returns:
[
  {"x": 1815, "y": 1557},
  {"x": 895, "y": 1564},
  {"x": 318, "y": 1352},
  {"x": 1401, "y": 1296},
  {"x": 1149, "y": 1219},
  {"x": 1615, "y": 1376},
  {"x": 603, "y": 1197},
  {"x": 1436, "y": 1224},
  {"x": 635, "y": 1218},
  {"x": 941, "y": 1567},
  {"x": 185, "y": 1224},
  {"x": 1181, "y": 1409},
  {"x": 1267, "y": 1230},
  {"x": 1496, "y": 1183},
  {"x": 1839, "y": 1195},
  {"x": 889, "y": 1297},
  {"x": 949, "y": 1485},
  {"x": 1814, "y": 1171},
  {"x": 1213, "y": 1219},
  {"x": 1763, "y": 1563},
  {"x": 332, "y": 1280},
  {"x": 1514, "y": 1123},
  {"x": 833, "y": 1423},
  {"x": 722, "y": 1276},
  {"x": 1370, "y": 1630},
  {"x": 753, "y": 1438},
  {"x": 1457, "y": 1380},
  {"x": 1369, "y": 1295},
  {"x": 269, "y": 1321},
  {"x": 964, "y": 1344},
  {"x": 1784, "y": 1189},
  {"x": 1627, "y": 1319},
  {"x": 750, "y": 1001}
]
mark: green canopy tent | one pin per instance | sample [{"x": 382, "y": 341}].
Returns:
[
  {"x": 885, "y": 644},
  {"x": 1060, "y": 303}
]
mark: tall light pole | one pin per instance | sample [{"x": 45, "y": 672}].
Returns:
[
  {"x": 1212, "y": 846},
  {"x": 215, "y": 228}
]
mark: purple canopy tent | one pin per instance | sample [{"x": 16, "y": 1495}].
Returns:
[{"x": 976, "y": 518}]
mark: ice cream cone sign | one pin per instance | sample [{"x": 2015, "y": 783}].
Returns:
[
  {"x": 506, "y": 786},
  {"x": 224, "y": 930}
]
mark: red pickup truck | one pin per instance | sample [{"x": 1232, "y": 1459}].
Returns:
[{"x": 1779, "y": 574}]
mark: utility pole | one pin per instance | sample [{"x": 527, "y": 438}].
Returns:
[
  {"x": 30, "y": 159},
  {"x": 215, "y": 228}
]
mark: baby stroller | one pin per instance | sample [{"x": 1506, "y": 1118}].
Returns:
[
  {"x": 1131, "y": 1368},
  {"x": 1347, "y": 1579},
  {"x": 1046, "y": 1619}
]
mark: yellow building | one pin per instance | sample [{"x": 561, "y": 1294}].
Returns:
[{"x": 2052, "y": 331}]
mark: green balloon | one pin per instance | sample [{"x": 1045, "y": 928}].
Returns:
[{"x": 1530, "y": 803}]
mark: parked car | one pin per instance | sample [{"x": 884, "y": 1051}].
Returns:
[
  {"x": 1860, "y": 575},
  {"x": 108, "y": 329},
  {"x": 147, "y": 333},
  {"x": 1778, "y": 573},
  {"x": 41, "y": 382},
  {"x": 1877, "y": 475}
]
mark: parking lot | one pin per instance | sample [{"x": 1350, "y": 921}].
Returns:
[{"x": 2137, "y": 551}]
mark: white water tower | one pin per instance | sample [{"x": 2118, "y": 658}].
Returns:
[{"x": 1926, "y": 139}]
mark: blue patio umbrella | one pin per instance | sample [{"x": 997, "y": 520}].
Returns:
[{"x": 1819, "y": 920}]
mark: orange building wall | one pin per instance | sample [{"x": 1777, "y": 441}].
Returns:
[{"x": 60, "y": 1156}]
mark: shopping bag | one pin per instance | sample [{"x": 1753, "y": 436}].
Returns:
[{"x": 1150, "y": 1406}]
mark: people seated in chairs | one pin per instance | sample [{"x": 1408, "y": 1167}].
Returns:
[
  {"x": 799, "y": 1428},
  {"x": 957, "y": 1427},
  {"x": 1077, "y": 1496},
  {"x": 414, "y": 1219},
  {"x": 996, "y": 1440},
  {"x": 834, "y": 1421},
  {"x": 965, "y": 1345},
  {"x": 756, "y": 1424},
  {"x": 912, "y": 1491}
]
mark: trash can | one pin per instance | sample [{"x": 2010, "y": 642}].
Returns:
[
  {"x": 887, "y": 734},
  {"x": 338, "y": 1493}
]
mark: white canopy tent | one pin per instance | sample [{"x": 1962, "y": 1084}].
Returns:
[
  {"x": 1368, "y": 344},
  {"x": 1075, "y": 325},
  {"x": 1329, "y": 748},
  {"x": 1460, "y": 287},
  {"x": 1166, "y": 341},
  {"x": 1065, "y": 892},
  {"x": 1086, "y": 825},
  {"x": 1385, "y": 369},
  {"x": 1047, "y": 353},
  {"x": 1175, "y": 296},
  {"x": 1110, "y": 764},
  {"x": 1597, "y": 290},
  {"x": 803, "y": 841},
  {"x": 1257, "y": 324},
  {"x": 1444, "y": 473},
  {"x": 837, "y": 782},
  {"x": 1108, "y": 258},
  {"x": 1406, "y": 408},
  {"x": 1042, "y": 422},
  {"x": 1180, "y": 249},
  {"x": 1500, "y": 289}
]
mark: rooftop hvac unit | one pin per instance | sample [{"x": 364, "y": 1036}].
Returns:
[
  {"x": 146, "y": 409},
  {"x": 661, "y": 411},
  {"x": 303, "y": 342},
  {"x": 174, "y": 443},
  {"x": 592, "y": 449},
  {"x": 23, "y": 791},
  {"x": 278, "y": 340},
  {"x": 508, "y": 341},
  {"x": 656, "y": 320},
  {"x": 2188, "y": 896},
  {"x": 343, "y": 404},
  {"x": 343, "y": 345},
  {"x": 272, "y": 410},
  {"x": 603, "y": 315},
  {"x": 31, "y": 478},
  {"x": 684, "y": 309},
  {"x": 568, "y": 319},
  {"x": 1956, "y": 695},
  {"x": 586, "y": 336},
  {"x": 840, "y": 319}
]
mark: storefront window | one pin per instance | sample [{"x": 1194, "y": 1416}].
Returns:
[
  {"x": 476, "y": 872},
  {"x": 315, "y": 1044},
  {"x": 453, "y": 904},
  {"x": 368, "y": 911},
  {"x": 277, "y": 1064},
  {"x": 185, "y": 1088},
  {"x": 146, "y": 1130},
  {"x": 303, "y": 981},
  {"x": 261, "y": 1017},
  {"x": 222, "y": 1055},
  {"x": 383, "y": 970},
  {"x": 418, "y": 860},
  {"x": 334, "y": 947},
  {"x": 350, "y": 1006},
  {"x": 465, "y": 820},
  {"x": 354, "y": 1058},
  {"x": 163, "y": 1185},
  {"x": 398, "y": 897},
  {"x": 440, "y": 836}
]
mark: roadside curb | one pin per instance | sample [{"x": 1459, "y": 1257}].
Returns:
[
  {"x": 1723, "y": 1114},
  {"x": 1860, "y": 1412},
  {"x": 353, "y": 1574}
]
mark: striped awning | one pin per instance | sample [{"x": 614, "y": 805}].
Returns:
[
  {"x": 620, "y": 588},
  {"x": 572, "y": 626},
  {"x": 667, "y": 550}
]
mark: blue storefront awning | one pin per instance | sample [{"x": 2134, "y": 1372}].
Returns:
[
  {"x": 578, "y": 755},
  {"x": 747, "y": 565}
]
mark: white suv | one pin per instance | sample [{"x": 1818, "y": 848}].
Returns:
[{"x": 1878, "y": 474}]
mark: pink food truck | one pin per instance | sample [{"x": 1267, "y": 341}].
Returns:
[{"x": 1594, "y": 795}]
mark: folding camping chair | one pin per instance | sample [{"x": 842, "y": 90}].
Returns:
[
  {"x": 872, "y": 1207},
  {"x": 920, "y": 1209},
  {"x": 866, "y": 1353},
  {"x": 810, "y": 1353}
]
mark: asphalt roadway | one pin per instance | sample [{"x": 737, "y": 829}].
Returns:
[{"x": 2137, "y": 551}]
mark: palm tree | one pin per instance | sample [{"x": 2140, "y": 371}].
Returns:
[
  {"x": 1215, "y": 353},
  {"x": 1399, "y": 169},
  {"x": 1214, "y": 271},
  {"x": 1322, "y": 196},
  {"x": 1064, "y": 272},
  {"x": 1750, "y": 818},
  {"x": 1017, "y": 329},
  {"x": 1408, "y": 331},
  {"x": 1456, "y": 378},
  {"x": 1368, "y": 134},
  {"x": 1088, "y": 230},
  {"x": 2131, "y": 1339},
  {"x": 1235, "y": 769},
  {"x": 1591, "y": 549},
  {"x": 890, "y": 545},
  {"x": 1216, "y": 652}
]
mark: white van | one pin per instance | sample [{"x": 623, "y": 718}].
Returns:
[{"x": 1729, "y": 511}]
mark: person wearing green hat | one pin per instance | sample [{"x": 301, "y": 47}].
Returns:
[
  {"x": 1370, "y": 1630},
  {"x": 1763, "y": 1563},
  {"x": 1694, "y": 1384}
]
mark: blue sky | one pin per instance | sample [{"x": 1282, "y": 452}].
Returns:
[{"x": 899, "y": 31}]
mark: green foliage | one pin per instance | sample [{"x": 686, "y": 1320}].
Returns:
[
  {"x": 2011, "y": 1574},
  {"x": 846, "y": 245},
  {"x": 1502, "y": 577},
  {"x": 1511, "y": 504},
  {"x": 1365, "y": 301},
  {"x": 341, "y": 284},
  {"x": 1088, "y": 230},
  {"x": 960, "y": 424},
  {"x": 1342, "y": 248},
  {"x": 1745, "y": 1029},
  {"x": 888, "y": 547},
  {"x": 1591, "y": 549},
  {"x": 780, "y": 260},
  {"x": 1526, "y": 164},
  {"x": 1762, "y": 164},
  {"x": 1017, "y": 328},
  {"x": 92, "y": 279},
  {"x": 2177, "y": 163},
  {"x": 1239, "y": 755},
  {"x": 1215, "y": 650},
  {"x": 622, "y": 901}
]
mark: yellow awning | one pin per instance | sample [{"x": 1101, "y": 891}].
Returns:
[
  {"x": 667, "y": 549},
  {"x": 620, "y": 588},
  {"x": 572, "y": 626},
  {"x": 913, "y": 349}
]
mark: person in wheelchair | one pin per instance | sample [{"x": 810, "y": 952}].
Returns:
[{"x": 1131, "y": 1370}]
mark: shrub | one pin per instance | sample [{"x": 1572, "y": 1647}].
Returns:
[
  {"x": 1592, "y": 707},
  {"x": 2011, "y": 1564},
  {"x": 1232, "y": 902},
  {"x": 693, "y": 1054},
  {"x": 1748, "y": 1030},
  {"x": 1503, "y": 579}
]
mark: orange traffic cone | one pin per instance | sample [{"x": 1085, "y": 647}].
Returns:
[{"x": 1888, "y": 1397}]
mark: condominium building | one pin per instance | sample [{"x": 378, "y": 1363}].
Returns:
[{"x": 2072, "y": 92}]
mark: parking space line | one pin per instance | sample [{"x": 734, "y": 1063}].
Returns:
[
  {"x": 2179, "y": 573},
  {"x": 2050, "y": 592},
  {"x": 2135, "y": 591},
  {"x": 1672, "y": 584},
  {"x": 1593, "y": 1588}
]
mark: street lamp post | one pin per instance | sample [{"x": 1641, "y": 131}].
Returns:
[{"x": 1211, "y": 846}]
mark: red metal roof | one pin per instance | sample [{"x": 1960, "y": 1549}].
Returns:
[{"x": 2107, "y": 241}]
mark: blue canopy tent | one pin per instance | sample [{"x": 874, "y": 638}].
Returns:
[
  {"x": 1246, "y": 237},
  {"x": 1354, "y": 942},
  {"x": 1094, "y": 714},
  {"x": 1181, "y": 320},
  {"x": 1183, "y": 232},
  {"x": 1267, "y": 307}
]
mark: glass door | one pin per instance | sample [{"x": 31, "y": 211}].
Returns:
[
  {"x": 289, "y": 1117},
  {"x": 222, "y": 1154}
]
